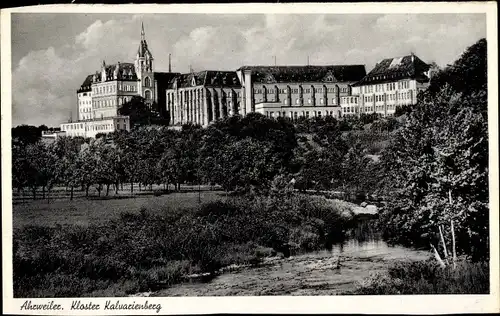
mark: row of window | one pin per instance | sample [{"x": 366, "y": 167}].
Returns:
[
  {"x": 112, "y": 102},
  {"x": 100, "y": 127},
  {"x": 296, "y": 114},
  {"x": 309, "y": 101},
  {"x": 391, "y": 86},
  {"x": 195, "y": 94},
  {"x": 350, "y": 100},
  {"x": 71, "y": 127},
  {"x": 112, "y": 88},
  {"x": 349, "y": 109},
  {"x": 368, "y": 109},
  {"x": 296, "y": 90},
  {"x": 390, "y": 97}
]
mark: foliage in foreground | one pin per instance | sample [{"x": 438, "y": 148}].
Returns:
[
  {"x": 426, "y": 277},
  {"x": 138, "y": 252},
  {"x": 437, "y": 164}
]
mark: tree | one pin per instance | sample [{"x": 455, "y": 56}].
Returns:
[
  {"x": 437, "y": 164},
  {"x": 26, "y": 134},
  {"x": 141, "y": 113},
  {"x": 42, "y": 168},
  {"x": 353, "y": 169},
  {"x": 67, "y": 150}
]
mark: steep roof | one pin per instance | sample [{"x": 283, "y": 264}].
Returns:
[
  {"x": 209, "y": 78},
  {"x": 165, "y": 77},
  {"x": 86, "y": 85},
  {"x": 329, "y": 73},
  {"x": 126, "y": 71},
  {"x": 390, "y": 69}
]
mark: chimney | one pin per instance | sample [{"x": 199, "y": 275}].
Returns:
[{"x": 169, "y": 63}]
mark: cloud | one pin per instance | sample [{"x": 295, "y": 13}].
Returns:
[
  {"x": 39, "y": 88},
  {"x": 45, "y": 80}
]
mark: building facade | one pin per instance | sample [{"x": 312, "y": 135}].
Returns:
[
  {"x": 274, "y": 91},
  {"x": 203, "y": 97},
  {"x": 90, "y": 128},
  {"x": 393, "y": 82},
  {"x": 102, "y": 94},
  {"x": 297, "y": 91}
]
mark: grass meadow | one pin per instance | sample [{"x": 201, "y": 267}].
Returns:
[
  {"x": 93, "y": 210},
  {"x": 119, "y": 245}
]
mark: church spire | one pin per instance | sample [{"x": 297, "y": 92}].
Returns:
[{"x": 143, "y": 46}]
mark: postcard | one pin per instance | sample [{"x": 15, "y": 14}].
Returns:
[{"x": 250, "y": 158}]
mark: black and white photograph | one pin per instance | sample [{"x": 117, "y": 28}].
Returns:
[{"x": 249, "y": 151}]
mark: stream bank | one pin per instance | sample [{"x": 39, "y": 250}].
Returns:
[{"x": 315, "y": 273}]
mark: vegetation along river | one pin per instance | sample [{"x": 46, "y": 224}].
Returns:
[{"x": 314, "y": 273}]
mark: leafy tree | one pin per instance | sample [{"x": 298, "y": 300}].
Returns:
[
  {"x": 26, "y": 134},
  {"x": 42, "y": 171},
  {"x": 437, "y": 164},
  {"x": 67, "y": 150},
  {"x": 140, "y": 113}
]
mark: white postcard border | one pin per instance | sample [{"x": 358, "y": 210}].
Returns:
[{"x": 408, "y": 304}]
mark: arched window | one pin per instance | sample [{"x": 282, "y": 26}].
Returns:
[
  {"x": 147, "y": 95},
  {"x": 147, "y": 82}
]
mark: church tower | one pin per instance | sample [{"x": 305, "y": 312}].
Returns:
[{"x": 144, "y": 70}]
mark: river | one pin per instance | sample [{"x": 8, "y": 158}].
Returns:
[{"x": 315, "y": 273}]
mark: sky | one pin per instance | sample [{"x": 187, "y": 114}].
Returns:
[{"x": 52, "y": 53}]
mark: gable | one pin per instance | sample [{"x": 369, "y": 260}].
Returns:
[
  {"x": 329, "y": 77},
  {"x": 270, "y": 78}
]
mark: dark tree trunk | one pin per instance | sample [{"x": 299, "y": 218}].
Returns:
[
  {"x": 43, "y": 192},
  {"x": 140, "y": 187},
  {"x": 87, "y": 190},
  {"x": 116, "y": 188},
  {"x": 34, "y": 193},
  {"x": 99, "y": 188},
  {"x": 71, "y": 194},
  {"x": 107, "y": 189},
  {"x": 151, "y": 187},
  {"x": 131, "y": 187},
  {"x": 121, "y": 184}
]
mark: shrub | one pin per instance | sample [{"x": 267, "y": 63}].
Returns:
[
  {"x": 143, "y": 250},
  {"x": 428, "y": 278}
]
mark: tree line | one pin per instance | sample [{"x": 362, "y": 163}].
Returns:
[{"x": 238, "y": 153}]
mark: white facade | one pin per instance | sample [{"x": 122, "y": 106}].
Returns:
[
  {"x": 383, "y": 98},
  {"x": 349, "y": 105},
  {"x": 275, "y": 110},
  {"x": 84, "y": 100},
  {"x": 93, "y": 127}
]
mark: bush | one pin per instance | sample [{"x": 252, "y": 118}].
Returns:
[
  {"x": 143, "y": 251},
  {"x": 428, "y": 278}
]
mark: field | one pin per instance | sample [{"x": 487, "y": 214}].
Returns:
[{"x": 83, "y": 211}]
